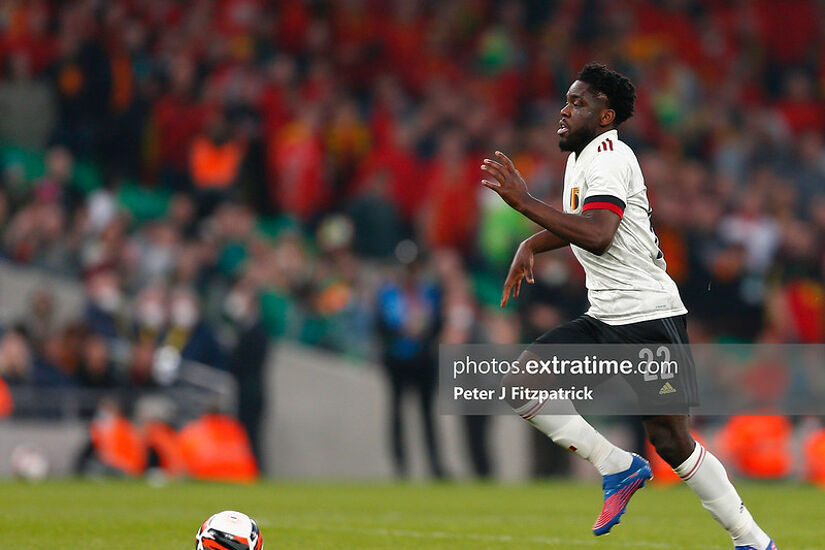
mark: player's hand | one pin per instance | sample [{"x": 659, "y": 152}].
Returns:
[
  {"x": 506, "y": 180},
  {"x": 520, "y": 269}
]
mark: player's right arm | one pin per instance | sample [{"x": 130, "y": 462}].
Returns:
[
  {"x": 521, "y": 267},
  {"x": 545, "y": 241}
]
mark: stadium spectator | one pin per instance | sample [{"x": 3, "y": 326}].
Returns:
[
  {"x": 463, "y": 325},
  {"x": 15, "y": 357},
  {"x": 6, "y": 400},
  {"x": 215, "y": 447},
  {"x": 347, "y": 142},
  {"x": 82, "y": 79},
  {"x": 164, "y": 448},
  {"x": 104, "y": 305},
  {"x": 815, "y": 457},
  {"x": 59, "y": 363},
  {"x": 95, "y": 369},
  {"x": 188, "y": 333},
  {"x": 394, "y": 159},
  {"x": 247, "y": 359},
  {"x": 177, "y": 118},
  {"x": 40, "y": 322},
  {"x": 115, "y": 446},
  {"x": 758, "y": 446},
  {"x": 409, "y": 320},
  {"x": 297, "y": 180},
  {"x": 27, "y": 106},
  {"x": 377, "y": 223},
  {"x": 451, "y": 208},
  {"x": 215, "y": 164}
]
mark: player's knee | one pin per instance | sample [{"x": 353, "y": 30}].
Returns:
[
  {"x": 508, "y": 388},
  {"x": 513, "y": 383},
  {"x": 525, "y": 392},
  {"x": 671, "y": 438}
]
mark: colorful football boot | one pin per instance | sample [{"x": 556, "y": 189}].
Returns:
[{"x": 618, "y": 488}]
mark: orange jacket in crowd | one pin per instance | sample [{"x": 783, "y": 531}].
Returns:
[
  {"x": 216, "y": 447},
  {"x": 162, "y": 438},
  {"x": 119, "y": 444},
  {"x": 6, "y": 401},
  {"x": 815, "y": 458},
  {"x": 758, "y": 446},
  {"x": 214, "y": 166}
]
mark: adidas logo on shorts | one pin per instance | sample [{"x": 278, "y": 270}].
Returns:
[{"x": 667, "y": 388}]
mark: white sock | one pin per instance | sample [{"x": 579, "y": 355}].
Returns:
[
  {"x": 706, "y": 476},
  {"x": 574, "y": 433}
]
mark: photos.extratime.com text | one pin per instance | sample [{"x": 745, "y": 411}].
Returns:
[{"x": 649, "y": 363}]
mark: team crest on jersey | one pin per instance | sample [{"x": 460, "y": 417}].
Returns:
[{"x": 574, "y": 198}]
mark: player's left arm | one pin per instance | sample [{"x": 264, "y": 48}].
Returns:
[{"x": 593, "y": 230}]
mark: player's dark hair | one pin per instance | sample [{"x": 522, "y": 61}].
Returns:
[{"x": 621, "y": 95}]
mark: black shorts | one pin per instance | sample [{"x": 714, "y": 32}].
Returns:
[{"x": 671, "y": 393}]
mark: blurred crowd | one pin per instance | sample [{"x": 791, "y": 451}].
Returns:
[
  {"x": 290, "y": 168},
  {"x": 286, "y": 147}
]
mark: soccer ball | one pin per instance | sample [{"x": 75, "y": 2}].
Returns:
[
  {"x": 229, "y": 530},
  {"x": 29, "y": 462}
]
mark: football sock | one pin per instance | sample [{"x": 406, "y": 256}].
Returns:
[
  {"x": 574, "y": 433},
  {"x": 707, "y": 477}
]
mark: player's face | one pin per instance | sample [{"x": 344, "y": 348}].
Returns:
[{"x": 580, "y": 117}]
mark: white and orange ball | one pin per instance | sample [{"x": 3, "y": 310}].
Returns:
[{"x": 229, "y": 530}]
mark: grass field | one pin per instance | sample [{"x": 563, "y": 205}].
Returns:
[{"x": 132, "y": 515}]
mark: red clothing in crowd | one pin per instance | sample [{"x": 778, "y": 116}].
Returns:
[
  {"x": 296, "y": 182},
  {"x": 788, "y": 31},
  {"x": 26, "y": 32},
  {"x": 273, "y": 106},
  {"x": 802, "y": 116},
  {"x": 406, "y": 189},
  {"x": 671, "y": 29},
  {"x": 294, "y": 20},
  {"x": 806, "y": 305},
  {"x": 238, "y": 16},
  {"x": 177, "y": 120},
  {"x": 451, "y": 211},
  {"x": 401, "y": 40}
]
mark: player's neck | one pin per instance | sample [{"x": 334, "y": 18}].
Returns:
[{"x": 592, "y": 139}]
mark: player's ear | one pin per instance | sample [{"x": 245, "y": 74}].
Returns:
[{"x": 607, "y": 117}]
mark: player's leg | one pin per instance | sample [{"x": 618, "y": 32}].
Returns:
[
  {"x": 623, "y": 473},
  {"x": 670, "y": 436},
  {"x": 559, "y": 420},
  {"x": 705, "y": 475}
]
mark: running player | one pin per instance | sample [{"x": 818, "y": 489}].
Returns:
[{"x": 632, "y": 299}]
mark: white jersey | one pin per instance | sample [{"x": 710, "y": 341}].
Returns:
[{"x": 628, "y": 283}]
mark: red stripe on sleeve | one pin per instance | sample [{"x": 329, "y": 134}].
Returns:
[{"x": 603, "y": 206}]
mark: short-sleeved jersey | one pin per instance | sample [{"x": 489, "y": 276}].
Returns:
[{"x": 628, "y": 283}]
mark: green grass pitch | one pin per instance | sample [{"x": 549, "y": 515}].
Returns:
[{"x": 122, "y": 515}]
